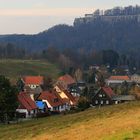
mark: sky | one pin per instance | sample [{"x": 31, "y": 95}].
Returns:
[{"x": 34, "y": 16}]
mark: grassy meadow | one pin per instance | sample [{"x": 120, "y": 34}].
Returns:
[
  {"x": 15, "y": 68},
  {"x": 118, "y": 122}
]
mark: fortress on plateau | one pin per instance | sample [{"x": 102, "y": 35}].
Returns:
[{"x": 116, "y": 14}]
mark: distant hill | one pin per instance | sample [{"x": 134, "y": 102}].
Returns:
[
  {"x": 120, "y": 30},
  {"x": 117, "y": 122}
]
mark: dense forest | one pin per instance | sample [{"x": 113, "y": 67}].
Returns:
[
  {"x": 11, "y": 51},
  {"x": 99, "y": 42}
]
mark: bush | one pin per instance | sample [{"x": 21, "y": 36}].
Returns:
[{"x": 83, "y": 103}]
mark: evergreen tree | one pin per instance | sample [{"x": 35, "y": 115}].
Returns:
[
  {"x": 8, "y": 100},
  {"x": 20, "y": 84}
]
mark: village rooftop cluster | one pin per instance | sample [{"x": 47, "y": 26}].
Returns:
[{"x": 66, "y": 92}]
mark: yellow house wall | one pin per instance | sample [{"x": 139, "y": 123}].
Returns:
[{"x": 62, "y": 94}]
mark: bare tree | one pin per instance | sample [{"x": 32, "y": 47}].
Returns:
[{"x": 78, "y": 75}]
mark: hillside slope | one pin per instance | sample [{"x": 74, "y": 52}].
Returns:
[
  {"x": 118, "y": 122},
  {"x": 15, "y": 68}
]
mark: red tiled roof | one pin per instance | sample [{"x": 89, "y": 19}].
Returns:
[
  {"x": 68, "y": 94},
  {"x": 66, "y": 100},
  {"x": 26, "y": 102},
  {"x": 67, "y": 79},
  {"x": 59, "y": 97},
  {"x": 50, "y": 97},
  {"x": 36, "y": 80},
  {"x": 119, "y": 78},
  {"x": 60, "y": 87},
  {"x": 108, "y": 91}
]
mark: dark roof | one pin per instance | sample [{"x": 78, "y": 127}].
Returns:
[
  {"x": 53, "y": 99},
  {"x": 74, "y": 88},
  {"x": 26, "y": 102}
]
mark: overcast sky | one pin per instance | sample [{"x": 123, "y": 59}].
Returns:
[{"x": 33, "y": 16}]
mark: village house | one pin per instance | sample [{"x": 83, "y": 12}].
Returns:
[
  {"x": 121, "y": 70},
  {"x": 123, "y": 98},
  {"x": 65, "y": 81},
  {"x": 116, "y": 80},
  {"x": 27, "y": 107},
  {"x": 135, "y": 78},
  {"x": 94, "y": 67},
  {"x": 42, "y": 106},
  {"x": 75, "y": 90},
  {"x": 64, "y": 94},
  {"x": 103, "y": 97},
  {"x": 33, "y": 93},
  {"x": 81, "y": 85},
  {"x": 53, "y": 101},
  {"x": 33, "y": 81},
  {"x": 106, "y": 96}
]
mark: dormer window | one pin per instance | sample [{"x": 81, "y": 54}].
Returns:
[
  {"x": 96, "y": 102},
  {"x": 103, "y": 95},
  {"x": 100, "y": 95}
]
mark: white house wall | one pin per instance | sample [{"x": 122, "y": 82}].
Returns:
[
  {"x": 23, "y": 111},
  {"x": 48, "y": 104}
]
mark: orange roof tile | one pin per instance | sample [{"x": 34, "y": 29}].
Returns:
[
  {"x": 67, "y": 79},
  {"x": 51, "y": 97},
  {"x": 119, "y": 78},
  {"x": 36, "y": 80},
  {"x": 26, "y": 102}
]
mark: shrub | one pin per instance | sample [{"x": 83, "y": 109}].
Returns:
[{"x": 83, "y": 103}]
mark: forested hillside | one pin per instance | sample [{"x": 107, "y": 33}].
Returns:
[
  {"x": 100, "y": 34},
  {"x": 86, "y": 42}
]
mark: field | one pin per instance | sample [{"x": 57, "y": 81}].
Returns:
[
  {"x": 15, "y": 68},
  {"x": 118, "y": 122}
]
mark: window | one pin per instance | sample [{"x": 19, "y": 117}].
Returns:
[
  {"x": 73, "y": 90},
  {"x": 54, "y": 108},
  {"x": 100, "y": 95},
  {"x": 107, "y": 102},
  {"x": 96, "y": 102},
  {"x": 116, "y": 102},
  {"x": 103, "y": 95},
  {"x": 102, "y": 102}
]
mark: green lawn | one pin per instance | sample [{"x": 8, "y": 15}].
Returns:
[
  {"x": 118, "y": 122},
  {"x": 15, "y": 68}
]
